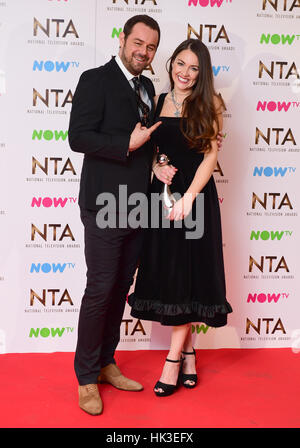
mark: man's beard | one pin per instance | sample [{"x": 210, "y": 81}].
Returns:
[{"x": 130, "y": 63}]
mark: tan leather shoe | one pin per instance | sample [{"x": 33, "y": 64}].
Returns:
[
  {"x": 111, "y": 374},
  {"x": 89, "y": 399}
]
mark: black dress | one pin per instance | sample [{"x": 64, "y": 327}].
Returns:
[{"x": 181, "y": 280}]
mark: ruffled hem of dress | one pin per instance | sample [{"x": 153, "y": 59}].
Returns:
[{"x": 208, "y": 311}]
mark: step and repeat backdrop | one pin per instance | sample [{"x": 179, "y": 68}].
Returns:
[{"x": 44, "y": 47}]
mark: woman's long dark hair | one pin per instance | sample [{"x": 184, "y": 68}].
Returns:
[{"x": 199, "y": 108}]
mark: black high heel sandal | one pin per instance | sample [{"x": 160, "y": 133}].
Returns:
[
  {"x": 189, "y": 376},
  {"x": 168, "y": 389}
]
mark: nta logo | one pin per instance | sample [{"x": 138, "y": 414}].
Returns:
[
  {"x": 285, "y": 5},
  {"x": 270, "y": 258},
  {"x": 276, "y": 132},
  {"x": 137, "y": 327},
  {"x": 218, "y": 168},
  {"x": 282, "y": 71},
  {"x": 54, "y": 167},
  {"x": 69, "y": 29},
  {"x": 265, "y": 202},
  {"x": 66, "y": 232},
  {"x": 214, "y": 34},
  {"x": 65, "y": 297},
  {"x": 56, "y": 97},
  {"x": 267, "y": 320}
]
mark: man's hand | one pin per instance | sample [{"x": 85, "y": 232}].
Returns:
[
  {"x": 141, "y": 135},
  {"x": 164, "y": 173}
]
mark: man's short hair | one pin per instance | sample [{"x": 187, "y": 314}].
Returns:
[{"x": 142, "y": 18}]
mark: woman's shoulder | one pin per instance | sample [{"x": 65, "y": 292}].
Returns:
[{"x": 157, "y": 97}]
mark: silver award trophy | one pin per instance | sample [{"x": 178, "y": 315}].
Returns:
[{"x": 167, "y": 197}]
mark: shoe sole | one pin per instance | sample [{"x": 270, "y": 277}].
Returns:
[
  {"x": 120, "y": 388},
  {"x": 91, "y": 413}
]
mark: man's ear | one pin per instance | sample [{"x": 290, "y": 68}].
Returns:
[{"x": 122, "y": 39}]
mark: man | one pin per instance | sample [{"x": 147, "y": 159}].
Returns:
[{"x": 110, "y": 123}]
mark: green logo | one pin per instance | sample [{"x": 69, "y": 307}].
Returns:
[
  {"x": 49, "y": 135},
  {"x": 46, "y": 332},
  {"x": 200, "y": 328},
  {"x": 115, "y": 32},
  {"x": 266, "y": 235},
  {"x": 278, "y": 39}
]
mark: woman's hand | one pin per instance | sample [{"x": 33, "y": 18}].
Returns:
[
  {"x": 181, "y": 208},
  {"x": 164, "y": 173},
  {"x": 219, "y": 140}
]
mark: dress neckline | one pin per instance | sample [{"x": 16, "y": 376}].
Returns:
[
  {"x": 165, "y": 116},
  {"x": 159, "y": 107}
]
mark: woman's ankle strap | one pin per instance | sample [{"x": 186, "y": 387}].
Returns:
[
  {"x": 172, "y": 360},
  {"x": 190, "y": 353}
]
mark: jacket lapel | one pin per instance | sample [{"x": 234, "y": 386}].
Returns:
[{"x": 124, "y": 85}]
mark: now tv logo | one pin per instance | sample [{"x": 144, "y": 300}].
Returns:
[
  {"x": 49, "y": 135},
  {"x": 53, "y": 267},
  {"x": 202, "y": 328},
  {"x": 271, "y": 106},
  {"x": 268, "y": 171},
  {"x": 270, "y": 297},
  {"x": 52, "y": 202},
  {"x": 220, "y": 68},
  {"x": 265, "y": 235},
  {"x": 46, "y": 332},
  {"x": 50, "y": 66},
  {"x": 276, "y": 39},
  {"x": 205, "y": 3}
]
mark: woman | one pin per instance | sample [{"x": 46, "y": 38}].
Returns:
[{"x": 182, "y": 280}]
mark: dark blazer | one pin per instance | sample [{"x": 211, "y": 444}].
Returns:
[{"x": 104, "y": 113}]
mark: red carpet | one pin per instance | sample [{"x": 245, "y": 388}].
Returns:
[{"x": 250, "y": 388}]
